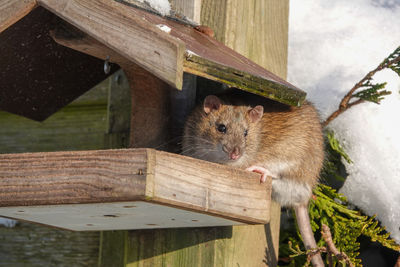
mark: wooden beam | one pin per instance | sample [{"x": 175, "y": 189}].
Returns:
[
  {"x": 13, "y": 10},
  {"x": 257, "y": 29},
  {"x": 124, "y": 31},
  {"x": 272, "y": 89},
  {"x": 103, "y": 176}
]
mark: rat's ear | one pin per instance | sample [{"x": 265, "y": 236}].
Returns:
[
  {"x": 256, "y": 113},
  {"x": 211, "y": 103}
]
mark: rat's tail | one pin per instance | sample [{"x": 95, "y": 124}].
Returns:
[{"x": 303, "y": 221}]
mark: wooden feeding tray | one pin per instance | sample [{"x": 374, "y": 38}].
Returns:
[{"x": 128, "y": 189}]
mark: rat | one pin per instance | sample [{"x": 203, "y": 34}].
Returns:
[{"x": 283, "y": 143}]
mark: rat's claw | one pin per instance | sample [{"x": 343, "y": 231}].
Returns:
[{"x": 264, "y": 172}]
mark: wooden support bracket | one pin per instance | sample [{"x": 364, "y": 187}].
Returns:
[{"x": 128, "y": 189}]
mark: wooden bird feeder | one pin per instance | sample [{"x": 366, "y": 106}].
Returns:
[{"x": 128, "y": 188}]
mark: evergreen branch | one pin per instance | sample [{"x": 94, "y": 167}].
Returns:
[
  {"x": 326, "y": 234},
  {"x": 391, "y": 62},
  {"x": 334, "y": 144},
  {"x": 373, "y": 93}
]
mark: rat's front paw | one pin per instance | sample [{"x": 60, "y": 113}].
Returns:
[{"x": 261, "y": 170}]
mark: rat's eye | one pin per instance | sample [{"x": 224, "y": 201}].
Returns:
[
  {"x": 245, "y": 133},
  {"x": 221, "y": 128}
]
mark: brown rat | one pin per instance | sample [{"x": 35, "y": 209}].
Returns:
[{"x": 257, "y": 134}]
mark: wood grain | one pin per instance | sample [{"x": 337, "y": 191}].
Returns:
[
  {"x": 13, "y": 10},
  {"x": 210, "y": 187},
  {"x": 71, "y": 177},
  {"x": 204, "y": 57},
  {"x": 264, "y": 36},
  {"x": 257, "y": 29},
  {"x": 31, "y": 179},
  {"x": 189, "y": 8},
  {"x": 124, "y": 30}
]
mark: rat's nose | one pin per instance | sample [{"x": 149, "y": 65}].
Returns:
[{"x": 235, "y": 154}]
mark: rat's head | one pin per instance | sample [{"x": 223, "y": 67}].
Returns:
[{"x": 221, "y": 132}]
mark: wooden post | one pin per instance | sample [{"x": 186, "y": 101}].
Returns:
[{"x": 263, "y": 38}]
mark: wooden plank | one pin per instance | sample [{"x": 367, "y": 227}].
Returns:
[
  {"x": 53, "y": 178},
  {"x": 243, "y": 80},
  {"x": 150, "y": 108},
  {"x": 124, "y": 30},
  {"x": 204, "y": 57},
  {"x": 210, "y": 51},
  {"x": 13, "y": 10},
  {"x": 71, "y": 177},
  {"x": 119, "y": 112},
  {"x": 113, "y": 216},
  {"x": 213, "y": 188},
  {"x": 189, "y": 8}
]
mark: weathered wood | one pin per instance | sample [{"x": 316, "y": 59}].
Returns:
[
  {"x": 189, "y": 8},
  {"x": 119, "y": 112},
  {"x": 263, "y": 38},
  {"x": 101, "y": 176},
  {"x": 204, "y": 57},
  {"x": 125, "y": 31},
  {"x": 243, "y": 80},
  {"x": 48, "y": 178},
  {"x": 12, "y": 10}
]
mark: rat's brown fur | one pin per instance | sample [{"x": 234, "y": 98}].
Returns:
[{"x": 287, "y": 141}]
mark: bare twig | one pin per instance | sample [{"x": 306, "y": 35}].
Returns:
[
  {"x": 345, "y": 103},
  {"x": 326, "y": 234}
]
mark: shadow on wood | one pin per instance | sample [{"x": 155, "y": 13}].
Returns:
[{"x": 38, "y": 75}]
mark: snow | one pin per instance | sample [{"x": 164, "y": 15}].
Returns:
[
  {"x": 332, "y": 45},
  {"x": 161, "y": 6},
  {"x": 164, "y": 28}
]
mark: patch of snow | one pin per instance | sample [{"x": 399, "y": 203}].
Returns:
[
  {"x": 162, "y": 6},
  {"x": 164, "y": 28},
  {"x": 332, "y": 45}
]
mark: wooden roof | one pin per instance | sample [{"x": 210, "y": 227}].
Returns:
[{"x": 38, "y": 76}]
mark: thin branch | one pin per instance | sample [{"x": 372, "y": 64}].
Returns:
[
  {"x": 345, "y": 103},
  {"x": 326, "y": 234}
]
